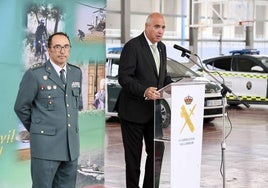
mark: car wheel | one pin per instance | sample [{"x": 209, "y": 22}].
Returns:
[{"x": 165, "y": 114}]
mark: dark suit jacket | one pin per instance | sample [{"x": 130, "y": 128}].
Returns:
[
  {"x": 137, "y": 72},
  {"x": 49, "y": 112}
]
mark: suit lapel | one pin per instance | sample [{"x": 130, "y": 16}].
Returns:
[
  {"x": 162, "y": 54},
  {"x": 147, "y": 50},
  {"x": 161, "y": 76},
  {"x": 160, "y": 59}
]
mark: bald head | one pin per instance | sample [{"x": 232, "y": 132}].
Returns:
[
  {"x": 155, "y": 27},
  {"x": 154, "y": 15}
]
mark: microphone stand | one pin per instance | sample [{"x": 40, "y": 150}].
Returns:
[{"x": 224, "y": 91}]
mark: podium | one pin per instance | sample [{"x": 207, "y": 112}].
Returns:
[{"x": 178, "y": 134}]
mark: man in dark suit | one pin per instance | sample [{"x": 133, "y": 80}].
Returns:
[
  {"x": 141, "y": 75},
  {"x": 47, "y": 104}
]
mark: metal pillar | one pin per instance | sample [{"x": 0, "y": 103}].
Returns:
[
  {"x": 249, "y": 37},
  {"x": 125, "y": 21}
]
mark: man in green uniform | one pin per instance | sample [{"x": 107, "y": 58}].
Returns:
[{"x": 47, "y": 104}]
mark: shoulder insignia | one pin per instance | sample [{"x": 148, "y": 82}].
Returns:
[
  {"x": 72, "y": 65},
  {"x": 37, "y": 65}
]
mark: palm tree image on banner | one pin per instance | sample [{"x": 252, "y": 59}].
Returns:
[{"x": 84, "y": 23}]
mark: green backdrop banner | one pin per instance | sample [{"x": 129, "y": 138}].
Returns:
[{"x": 25, "y": 27}]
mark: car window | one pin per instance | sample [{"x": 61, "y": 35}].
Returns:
[
  {"x": 244, "y": 64},
  {"x": 177, "y": 70},
  {"x": 264, "y": 60},
  {"x": 112, "y": 68},
  {"x": 223, "y": 64}
]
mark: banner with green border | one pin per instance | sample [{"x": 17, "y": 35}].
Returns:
[{"x": 84, "y": 22}]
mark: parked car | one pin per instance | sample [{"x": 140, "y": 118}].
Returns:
[
  {"x": 245, "y": 72},
  {"x": 213, "y": 99}
]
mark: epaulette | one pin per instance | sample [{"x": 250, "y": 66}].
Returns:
[
  {"x": 37, "y": 65},
  {"x": 72, "y": 65}
]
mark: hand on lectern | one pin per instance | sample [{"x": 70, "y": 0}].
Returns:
[{"x": 151, "y": 93}]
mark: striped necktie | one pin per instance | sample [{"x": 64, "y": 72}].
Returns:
[
  {"x": 62, "y": 76},
  {"x": 156, "y": 57}
]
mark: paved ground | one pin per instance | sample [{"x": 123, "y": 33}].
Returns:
[{"x": 246, "y": 154}]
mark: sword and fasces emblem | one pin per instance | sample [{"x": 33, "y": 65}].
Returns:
[{"x": 187, "y": 115}]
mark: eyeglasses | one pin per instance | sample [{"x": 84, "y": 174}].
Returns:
[{"x": 58, "y": 48}]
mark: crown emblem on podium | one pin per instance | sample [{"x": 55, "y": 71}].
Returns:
[{"x": 188, "y": 99}]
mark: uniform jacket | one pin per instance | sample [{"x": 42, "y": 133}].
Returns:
[
  {"x": 137, "y": 72},
  {"x": 50, "y": 112}
]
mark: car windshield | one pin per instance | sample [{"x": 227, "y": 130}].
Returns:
[
  {"x": 177, "y": 70},
  {"x": 112, "y": 65},
  {"x": 263, "y": 59}
]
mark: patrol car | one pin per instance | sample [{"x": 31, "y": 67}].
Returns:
[
  {"x": 245, "y": 72},
  {"x": 213, "y": 99}
]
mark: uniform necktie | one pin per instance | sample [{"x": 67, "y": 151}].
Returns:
[
  {"x": 156, "y": 57},
  {"x": 62, "y": 76}
]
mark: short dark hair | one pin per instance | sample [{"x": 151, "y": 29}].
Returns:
[{"x": 49, "y": 41}]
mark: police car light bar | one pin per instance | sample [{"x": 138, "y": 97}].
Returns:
[{"x": 245, "y": 51}]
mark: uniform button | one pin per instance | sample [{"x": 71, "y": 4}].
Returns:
[
  {"x": 69, "y": 115},
  {"x": 69, "y": 125},
  {"x": 67, "y": 105},
  {"x": 49, "y": 96},
  {"x": 66, "y": 95},
  {"x": 42, "y": 132}
]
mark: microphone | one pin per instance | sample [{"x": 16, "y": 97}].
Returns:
[{"x": 182, "y": 49}]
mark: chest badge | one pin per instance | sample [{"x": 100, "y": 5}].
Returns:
[{"x": 45, "y": 77}]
